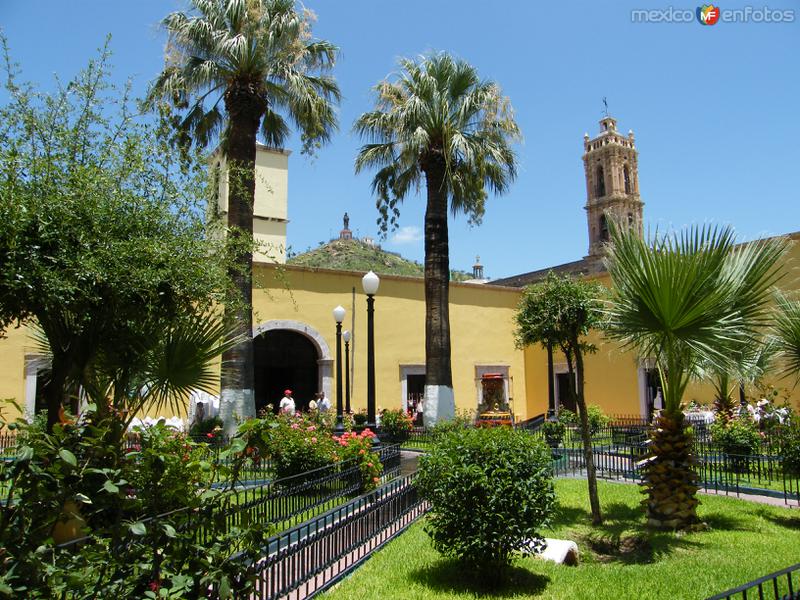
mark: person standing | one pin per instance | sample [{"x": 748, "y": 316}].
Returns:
[
  {"x": 287, "y": 403},
  {"x": 323, "y": 404}
]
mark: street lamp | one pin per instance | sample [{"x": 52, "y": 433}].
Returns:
[
  {"x": 338, "y": 316},
  {"x": 370, "y": 283},
  {"x": 346, "y": 335}
]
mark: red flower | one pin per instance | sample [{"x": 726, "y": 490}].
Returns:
[{"x": 209, "y": 435}]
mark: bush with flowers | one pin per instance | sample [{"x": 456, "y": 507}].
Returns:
[
  {"x": 165, "y": 469},
  {"x": 298, "y": 444},
  {"x": 358, "y": 447},
  {"x": 396, "y": 425}
]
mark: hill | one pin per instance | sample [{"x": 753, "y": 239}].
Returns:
[{"x": 357, "y": 255}]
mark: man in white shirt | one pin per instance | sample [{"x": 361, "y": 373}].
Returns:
[
  {"x": 287, "y": 403},
  {"x": 323, "y": 403}
]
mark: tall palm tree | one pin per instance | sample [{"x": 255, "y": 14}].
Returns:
[
  {"x": 438, "y": 121},
  {"x": 691, "y": 300},
  {"x": 258, "y": 59}
]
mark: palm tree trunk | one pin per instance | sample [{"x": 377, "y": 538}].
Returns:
[
  {"x": 669, "y": 480},
  {"x": 586, "y": 436},
  {"x": 245, "y": 109},
  {"x": 439, "y": 401}
]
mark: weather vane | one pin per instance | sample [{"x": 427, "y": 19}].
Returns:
[{"x": 605, "y": 104}]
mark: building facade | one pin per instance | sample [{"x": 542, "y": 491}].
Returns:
[{"x": 294, "y": 329}]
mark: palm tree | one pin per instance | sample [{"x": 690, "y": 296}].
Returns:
[
  {"x": 787, "y": 334},
  {"x": 691, "y": 300},
  {"x": 438, "y": 121},
  {"x": 258, "y": 59}
]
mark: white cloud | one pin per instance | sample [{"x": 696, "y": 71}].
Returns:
[{"x": 407, "y": 235}]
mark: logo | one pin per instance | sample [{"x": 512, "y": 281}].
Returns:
[{"x": 708, "y": 14}]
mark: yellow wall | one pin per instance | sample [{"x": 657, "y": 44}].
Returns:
[{"x": 481, "y": 326}]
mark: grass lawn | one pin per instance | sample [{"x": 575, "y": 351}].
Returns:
[{"x": 619, "y": 560}]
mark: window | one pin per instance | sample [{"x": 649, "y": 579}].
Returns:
[
  {"x": 626, "y": 175},
  {"x": 600, "y": 183},
  {"x": 603, "y": 228},
  {"x": 630, "y": 219}
]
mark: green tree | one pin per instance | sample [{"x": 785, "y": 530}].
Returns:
[
  {"x": 689, "y": 300},
  {"x": 559, "y": 313},
  {"x": 437, "y": 121},
  {"x": 104, "y": 245},
  {"x": 257, "y": 58}
]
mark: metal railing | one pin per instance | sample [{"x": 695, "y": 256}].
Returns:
[
  {"x": 781, "y": 585},
  {"x": 313, "y": 555}
]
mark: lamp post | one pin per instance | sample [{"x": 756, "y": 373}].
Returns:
[
  {"x": 346, "y": 335},
  {"x": 338, "y": 316},
  {"x": 370, "y": 283}
]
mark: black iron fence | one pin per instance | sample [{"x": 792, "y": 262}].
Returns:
[
  {"x": 308, "y": 558},
  {"x": 781, "y": 585},
  {"x": 277, "y": 502}
]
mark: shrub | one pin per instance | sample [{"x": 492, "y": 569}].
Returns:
[
  {"x": 553, "y": 432},
  {"x": 165, "y": 469},
  {"x": 295, "y": 443},
  {"x": 360, "y": 418},
  {"x": 738, "y": 437},
  {"x": 396, "y": 424},
  {"x": 490, "y": 491},
  {"x": 200, "y": 429},
  {"x": 790, "y": 448},
  {"x": 463, "y": 419},
  {"x": 358, "y": 448},
  {"x": 597, "y": 418}
]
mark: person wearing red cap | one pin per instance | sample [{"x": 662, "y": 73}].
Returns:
[{"x": 287, "y": 403}]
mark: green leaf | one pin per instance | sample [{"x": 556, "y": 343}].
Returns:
[
  {"x": 169, "y": 530},
  {"x": 68, "y": 457},
  {"x": 137, "y": 528},
  {"x": 110, "y": 487}
]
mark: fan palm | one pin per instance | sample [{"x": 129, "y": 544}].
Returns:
[
  {"x": 787, "y": 334},
  {"x": 691, "y": 300},
  {"x": 438, "y": 121},
  {"x": 257, "y": 59},
  {"x": 160, "y": 371}
]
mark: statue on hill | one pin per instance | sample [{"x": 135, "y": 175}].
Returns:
[{"x": 346, "y": 221}]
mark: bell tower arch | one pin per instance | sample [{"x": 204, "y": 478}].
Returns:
[{"x": 610, "y": 163}]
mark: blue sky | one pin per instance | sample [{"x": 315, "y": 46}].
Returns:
[{"x": 714, "y": 109}]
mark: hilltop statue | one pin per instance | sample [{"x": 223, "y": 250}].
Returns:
[{"x": 346, "y": 221}]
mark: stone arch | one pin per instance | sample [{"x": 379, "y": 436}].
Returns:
[{"x": 324, "y": 356}]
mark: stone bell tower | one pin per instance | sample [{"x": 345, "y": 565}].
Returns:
[{"x": 612, "y": 183}]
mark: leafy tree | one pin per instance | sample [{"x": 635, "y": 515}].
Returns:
[
  {"x": 689, "y": 300},
  {"x": 438, "y": 121},
  {"x": 257, "y": 59},
  {"x": 559, "y": 312},
  {"x": 104, "y": 244}
]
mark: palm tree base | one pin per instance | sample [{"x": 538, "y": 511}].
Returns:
[
  {"x": 670, "y": 483},
  {"x": 236, "y": 406},
  {"x": 440, "y": 404}
]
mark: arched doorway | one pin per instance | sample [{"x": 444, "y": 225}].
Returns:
[{"x": 285, "y": 359}]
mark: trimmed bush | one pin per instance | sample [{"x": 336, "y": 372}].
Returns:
[
  {"x": 490, "y": 491},
  {"x": 553, "y": 433}
]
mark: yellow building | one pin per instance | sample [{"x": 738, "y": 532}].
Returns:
[{"x": 294, "y": 329}]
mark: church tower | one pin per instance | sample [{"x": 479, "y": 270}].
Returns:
[{"x": 612, "y": 183}]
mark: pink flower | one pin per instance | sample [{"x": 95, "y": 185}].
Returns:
[
  {"x": 376, "y": 479},
  {"x": 295, "y": 426},
  {"x": 369, "y": 465},
  {"x": 311, "y": 428},
  {"x": 313, "y": 440},
  {"x": 362, "y": 451}
]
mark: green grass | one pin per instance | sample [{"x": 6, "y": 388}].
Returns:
[{"x": 619, "y": 560}]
